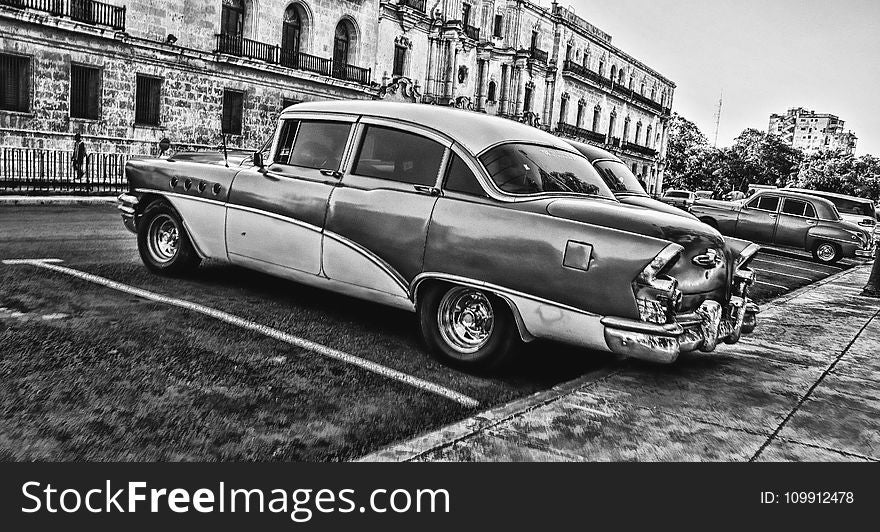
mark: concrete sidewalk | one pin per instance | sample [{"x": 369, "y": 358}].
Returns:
[
  {"x": 57, "y": 200},
  {"x": 805, "y": 386}
]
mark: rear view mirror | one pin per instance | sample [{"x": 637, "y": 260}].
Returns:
[{"x": 258, "y": 159}]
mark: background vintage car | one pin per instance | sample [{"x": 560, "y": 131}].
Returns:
[
  {"x": 859, "y": 211},
  {"x": 785, "y": 218},
  {"x": 494, "y": 232},
  {"x": 683, "y": 199}
]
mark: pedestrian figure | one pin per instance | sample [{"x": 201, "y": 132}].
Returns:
[{"x": 79, "y": 160}]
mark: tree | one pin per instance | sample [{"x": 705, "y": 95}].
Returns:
[
  {"x": 689, "y": 157},
  {"x": 759, "y": 158},
  {"x": 842, "y": 173}
]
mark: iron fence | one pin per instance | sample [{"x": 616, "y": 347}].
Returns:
[
  {"x": 88, "y": 11},
  {"x": 35, "y": 170}
]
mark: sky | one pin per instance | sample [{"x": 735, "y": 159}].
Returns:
[{"x": 764, "y": 56}]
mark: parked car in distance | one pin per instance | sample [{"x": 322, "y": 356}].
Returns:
[
  {"x": 622, "y": 182},
  {"x": 494, "y": 233},
  {"x": 734, "y": 195},
  {"x": 859, "y": 211},
  {"x": 755, "y": 188},
  {"x": 703, "y": 194},
  {"x": 683, "y": 199},
  {"x": 785, "y": 218}
]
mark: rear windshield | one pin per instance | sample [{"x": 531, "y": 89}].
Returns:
[
  {"x": 847, "y": 206},
  {"x": 677, "y": 194},
  {"x": 619, "y": 178},
  {"x": 531, "y": 169}
]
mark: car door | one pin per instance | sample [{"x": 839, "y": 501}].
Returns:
[
  {"x": 377, "y": 220},
  {"x": 276, "y": 214},
  {"x": 796, "y": 217},
  {"x": 757, "y": 219}
]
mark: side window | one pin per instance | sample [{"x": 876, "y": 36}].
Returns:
[
  {"x": 765, "y": 203},
  {"x": 319, "y": 144},
  {"x": 794, "y": 207},
  {"x": 459, "y": 178},
  {"x": 288, "y": 133},
  {"x": 396, "y": 155},
  {"x": 810, "y": 212}
]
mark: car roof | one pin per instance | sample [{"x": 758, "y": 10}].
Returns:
[
  {"x": 592, "y": 153},
  {"x": 821, "y": 204},
  {"x": 829, "y": 194},
  {"x": 474, "y": 131}
]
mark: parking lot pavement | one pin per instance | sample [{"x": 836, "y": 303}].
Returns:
[
  {"x": 779, "y": 271},
  {"x": 102, "y": 360},
  {"x": 804, "y": 387}
]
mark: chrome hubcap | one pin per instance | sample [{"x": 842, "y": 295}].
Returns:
[
  {"x": 163, "y": 237},
  {"x": 466, "y": 319},
  {"x": 826, "y": 252}
]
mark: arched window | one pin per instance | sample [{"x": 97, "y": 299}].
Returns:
[
  {"x": 638, "y": 131},
  {"x": 527, "y": 99},
  {"x": 621, "y": 77},
  {"x": 612, "y": 121},
  {"x": 232, "y": 18},
  {"x": 292, "y": 31},
  {"x": 586, "y": 61},
  {"x": 642, "y": 88},
  {"x": 625, "y": 137},
  {"x": 613, "y": 72},
  {"x": 648, "y": 137},
  {"x": 342, "y": 44},
  {"x": 580, "y": 115},
  {"x": 491, "y": 95},
  {"x": 563, "y": 110},
  {"x": 632, "y": 80},
  {"x": 597, "y": 116},
  {"x": 654, "y": 92},
  {"x": 601, "y": 67}
]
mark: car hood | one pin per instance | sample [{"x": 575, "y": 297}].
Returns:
[
  {"x": 696, "y": 282},
  {"x": 651, "y": 203}
]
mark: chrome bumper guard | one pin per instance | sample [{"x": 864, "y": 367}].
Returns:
[
  {"x": 126, "y": 204},
  {"x": 702, "y": 329}
]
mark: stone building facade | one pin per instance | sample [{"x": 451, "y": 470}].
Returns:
[
  {"x": 811, "y": 131},
  {"x": 127, "y": 73}
]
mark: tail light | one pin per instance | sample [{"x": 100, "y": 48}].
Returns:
[{"x": 657, "y": 294}]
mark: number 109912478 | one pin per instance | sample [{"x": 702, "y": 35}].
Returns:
[{"x": 808, "y": 497}]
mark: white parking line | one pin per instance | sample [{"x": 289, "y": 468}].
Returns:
[
  {"x": 771, "y": 284},
  {"x": 791, "y": 266},
  {"x": 786, "y": 257},
  {"x": 50, "y": 264},
  {"x": 784, "y": 274}
]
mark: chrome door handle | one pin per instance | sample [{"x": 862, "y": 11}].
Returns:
[
  {"x": 425, "y": 189},
  {"x": 773, "y": 216},
  {"x": 331, "y": 173}
]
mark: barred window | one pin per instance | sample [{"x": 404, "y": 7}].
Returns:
[
  {"x": 146, "y": 100},
  {"x": 85, "y": 92},
  {"x": 499, "y": 26},
  {"x": 14, "y": 83},
  {"x": 233, "y": 102}
]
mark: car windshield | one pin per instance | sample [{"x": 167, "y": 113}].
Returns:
[
  {"x": 619, "y": 178},
  {"x": 677, "y": 194},
  {"x": 531, "y": 169}
]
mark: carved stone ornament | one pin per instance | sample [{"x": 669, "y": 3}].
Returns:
[{"x": 400, "y": 89}]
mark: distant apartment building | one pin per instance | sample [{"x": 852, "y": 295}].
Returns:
[
  {"x": 128, "y": 73},
  {"x": 811, "y": 131}
]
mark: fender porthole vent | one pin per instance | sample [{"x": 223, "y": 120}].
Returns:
[
  {"x": 187, "y": 184},
  {"x": 202, "y": 186},
  {"x": 173, "y": 182},
  {"x": 216, "y": 188}
]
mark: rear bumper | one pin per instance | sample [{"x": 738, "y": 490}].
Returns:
[{"x": 702, "y": 329}]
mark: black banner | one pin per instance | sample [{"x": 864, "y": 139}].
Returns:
[{"x": 136, "y": 496}]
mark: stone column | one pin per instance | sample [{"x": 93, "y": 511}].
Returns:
[
  {"x": 545, "y": 111},
  {"x": 429, "y": 83},
  {"x": 520, "y": 90},
  {"x": 502, "y": 90},
  {"x": 454, "y": 73},
  {"x": 483, "y": 85}
]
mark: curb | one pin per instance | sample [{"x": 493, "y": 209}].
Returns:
[
  {"x": 57, "y": 200},
  {"x": 415, "y": 447}
]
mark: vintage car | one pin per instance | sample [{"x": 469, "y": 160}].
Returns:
[
  {"x": 622, "y": 182},
  {"x": 859, "y": 211},
  {"x": 495, "y": 233},
  {"x": 790, "y": 219},
  {"x": 683, "y": 199}
]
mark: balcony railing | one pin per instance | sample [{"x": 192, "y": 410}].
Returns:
[
  {"x": 241, "y": 47},
  {"x": 351, "y": 73},
  {"x": 638, "y": 148},
  {"x": 539, "y": 55},
  {"x": 472, "y": 32},
  {"x": 614, "y": 141},
  {"x": 584, "y": 72},
  {"x": 572, "y": 130},
  {"x": 304, "y": 61},
  {"x": 419, "y": 5},
  {"x": 87, "y": 11}
]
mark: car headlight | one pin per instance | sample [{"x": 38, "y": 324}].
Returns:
[{"x": 657, "y": 294}]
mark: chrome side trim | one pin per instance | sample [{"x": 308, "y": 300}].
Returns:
[
  {"x": 668, "y": 329},
  {"x": 372, "y": 257},
  {"x": 280, "y": 217}
]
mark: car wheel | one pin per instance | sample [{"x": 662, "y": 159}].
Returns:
[
  {"x": 826, "y": 252},
  {"x": 467, "y": 327},
  {"x": 163, "y": 244}
]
